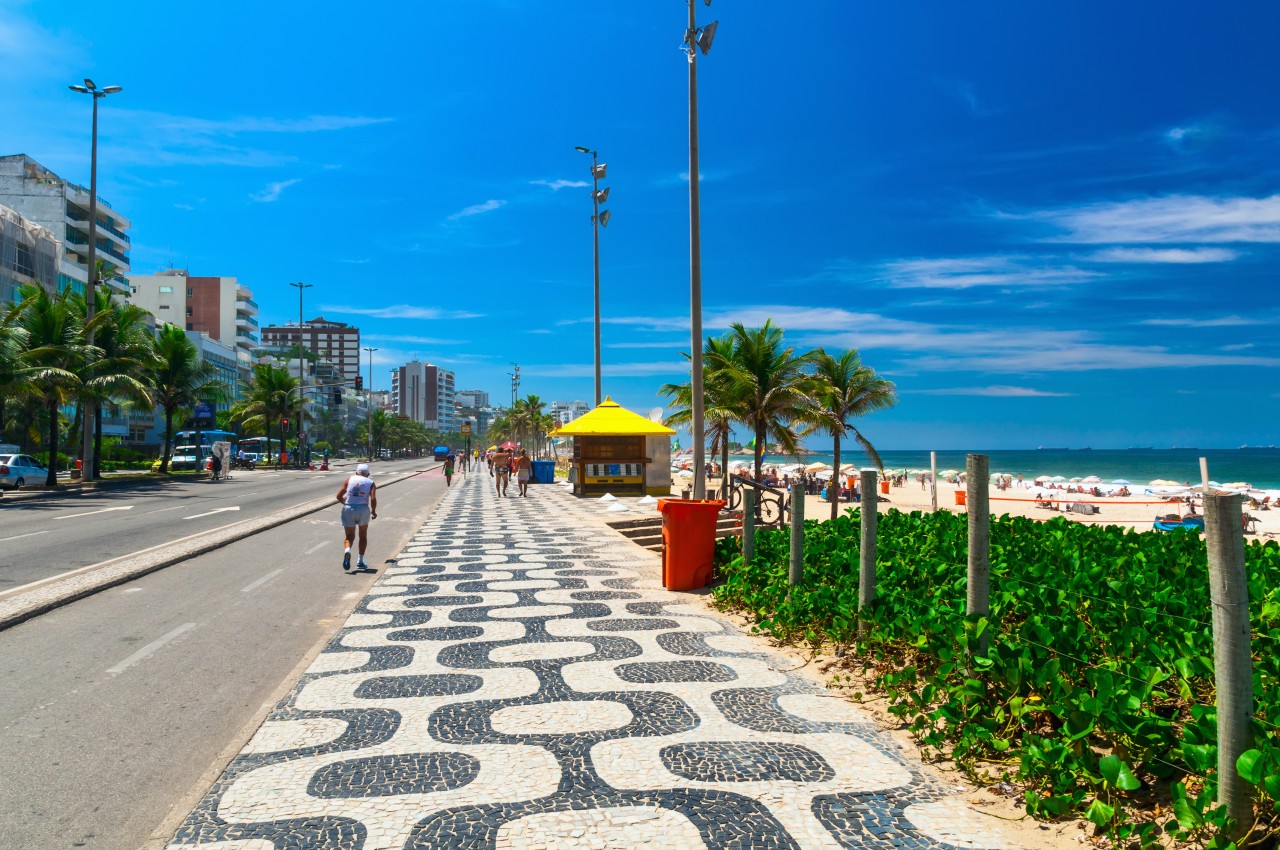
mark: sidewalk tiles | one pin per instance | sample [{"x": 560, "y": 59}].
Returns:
[{"x": 519, "y": 679}]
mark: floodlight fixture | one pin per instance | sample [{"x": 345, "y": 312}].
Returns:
[
  {"x": 89, "y": 83},
  {"x": 598, "y": 171},
  {"x": 602, "y": 196},
  {"x": 604, "y": 218},
  {"x": 706, "y": 36},
  {"x": 112, "y": 89}
]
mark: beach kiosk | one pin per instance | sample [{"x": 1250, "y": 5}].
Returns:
[{"x": 619, "y": 452}]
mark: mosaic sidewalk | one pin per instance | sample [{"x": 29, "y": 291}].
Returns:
[{"x": 519, "y": 679}]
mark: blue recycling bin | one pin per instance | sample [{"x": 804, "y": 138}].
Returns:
[{"x": 544, "y": 472}]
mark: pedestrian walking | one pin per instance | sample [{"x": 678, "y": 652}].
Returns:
[
  {"x": 523, "y": 470},
  {"x": 359, "y": 499},
  {"x": 501, "y": 466},
  {"x": 448, "y": 471}
]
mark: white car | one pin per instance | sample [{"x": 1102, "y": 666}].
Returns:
[{"x": 17, "y": 471}]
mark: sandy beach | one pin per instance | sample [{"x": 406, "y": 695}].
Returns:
[{"x": 1136, "y": 511}]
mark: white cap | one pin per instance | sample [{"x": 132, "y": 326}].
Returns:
[{"x": 362, "y": 468}]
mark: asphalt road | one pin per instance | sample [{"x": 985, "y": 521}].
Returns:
[
  {"x": 116, "y": 708},
  {"x": 43, "y": 537}
]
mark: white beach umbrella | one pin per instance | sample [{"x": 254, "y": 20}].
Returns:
[
  {"x": 1092, "y": 479},
  {"x": 949, "y": 472},
  {"x": 1058, "y": 479},
  {"x": 815, "y": 466},
  {"x": 1075, "y": 480},
  {"x": 823, "y": 474},
  {"x": 1121, "y": 481}
]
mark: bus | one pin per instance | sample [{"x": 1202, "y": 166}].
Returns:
[
  {"x": 188, "y": 455},
  {"x": 259, "y": 449}
]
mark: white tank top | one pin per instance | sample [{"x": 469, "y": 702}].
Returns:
[{"x": 358, "y": 490}]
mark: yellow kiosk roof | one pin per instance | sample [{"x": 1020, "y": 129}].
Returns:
[{"x": 612, "y": 420}]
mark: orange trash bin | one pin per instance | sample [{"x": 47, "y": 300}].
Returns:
[
  {"x": 961, "y": 495},
  {"x": 688, "y": 541},
  {"x": 884, "y": 487}
]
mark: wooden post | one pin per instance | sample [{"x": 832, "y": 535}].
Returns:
[
  {"x": 748, "y": 525},
  {"x": 1232, "y": 665},
  {"x": 867, "y": 549},
  {"x": 933, "y": 478},
  {"x": 977, "y": 481},
  {"x": 797, "y": 534},
  {"x": 1204, "y": 474}
]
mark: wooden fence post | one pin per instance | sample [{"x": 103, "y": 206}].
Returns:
[
  {"x": 867, "y": 548},
  {"x": 748, "y": 525},
  {"x": 1232, "y": 664},
  {"x": 977, "y": 481},
  {"x": 797, "y": 533}
]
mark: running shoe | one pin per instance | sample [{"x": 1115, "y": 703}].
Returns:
[
  {"x": 346, "y": 560},
  {"x": 361, "y": 565}
]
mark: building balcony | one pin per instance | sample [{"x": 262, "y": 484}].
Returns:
[
  {"x": 246, "y": 338},
  {"x": 247, "y": 305},
  {"x": 246, "y": 322}
]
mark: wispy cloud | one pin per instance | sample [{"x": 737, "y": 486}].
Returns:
[
  {"x": 399, "y": 311},
  {"x": 184, "y": 207},
  {"x": 1170, "y": 218},
  {"x": 1011, "y": 271},
  {"x": 996, "y": 392},
  {"x": 1164, "y": 255},
  {"x": 1239, "y": 346},
  {"x": 1219, "y": 322},
  {"x": 416, "y": 340},
  {"x": 273, "y": 191},
  {"x": 557, "y": 185},
  {"x": 613, "y": 370},
  {"x": 477, "y": 209},
  {"x": 1084, "y": 357},
  {"x": 540, "y": 331},
  {"x": 248, "y": 124}
]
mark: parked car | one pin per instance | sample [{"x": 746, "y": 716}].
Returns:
[
  {"x": 20, "y": 470},
  {"x": 186, "y": 457}
]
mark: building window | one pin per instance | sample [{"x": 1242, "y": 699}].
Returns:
[
  {"x": 190, "y": 291},
  {"x": 189, "y": 312},
  {"x": 189, "y": 327},
  {"x": 166, "y": 289}
]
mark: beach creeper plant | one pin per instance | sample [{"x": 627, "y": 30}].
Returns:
[{"x": 1096, "y": 693}]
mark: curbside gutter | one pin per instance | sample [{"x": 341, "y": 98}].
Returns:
[{"x": 20, "y": 604}]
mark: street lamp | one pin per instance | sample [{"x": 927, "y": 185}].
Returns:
[
  {"x": 515, "y": 384},
  {"x": 695, "y": 40},
  {"x": 598, "y": 220},
  {"x": 368, "y": 401},
  {"x": 302, "y": 383},
  {"x": 90, "y": 417}
]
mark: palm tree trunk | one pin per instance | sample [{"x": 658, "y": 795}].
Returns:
[
  {"x": 759, "y": 449},
  {"x": 833, "y": 489},
  {"x": 724, "y": 465},
  {"x": 51, "y": 480},
  {"x": 97, "y": 442},
  {"x": 168, "y": 440}
]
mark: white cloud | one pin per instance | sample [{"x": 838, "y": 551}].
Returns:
[
  {"x": 540, "y": 331},
  {"x": 1170, "y": 218},
  {"x": 477, "y": 209},
  {"x": 1218, "y": 322},
  {"x": 996, "y": 392},
  {"x": 1163, "y": 255},
  {"x": 273, "y": 191},
  {"x": 969, "y": 272},
  {"x": 419, "y": 340},
  {"x": 399, "y": 311},
  {"x": 1083, "y": 357},
  {"x": 557, "y": 185},
  {"x": 247, "y": 124},
  {"x": 1239, "y": 346},
  {"x": 184, "y": 206},
  {"x": 613, "y": 370}
]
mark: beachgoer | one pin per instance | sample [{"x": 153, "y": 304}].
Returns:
[
  {"x": 500, "y": 469},
  {"x": 523, "y": 469},
  {"x": 448, "y": 471},
  {"x": 216, "y": 463},
  {"x": 359, "y": 499}
]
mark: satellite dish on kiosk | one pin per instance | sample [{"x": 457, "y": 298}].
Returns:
[{"x": 655, "y": 415}]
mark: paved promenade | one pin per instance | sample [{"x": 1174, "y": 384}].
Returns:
[{"x": 519, "y": 679}]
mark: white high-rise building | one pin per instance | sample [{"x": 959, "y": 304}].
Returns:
[
  {"x": 425, "y": 393},
  {"x": 59, "y": 205},
  {"x": 567, "y": 411}
]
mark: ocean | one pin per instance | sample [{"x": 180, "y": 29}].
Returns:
[{"x": 1258, "y": 466}]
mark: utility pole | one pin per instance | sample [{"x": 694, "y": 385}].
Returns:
[
  {"x": 302, "y": 381},
  {"x": 369, "y": 404}
]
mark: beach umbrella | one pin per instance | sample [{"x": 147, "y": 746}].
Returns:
[
  {"x": 823, "y": 474},
  {"x": 1058, "y": 479},
  {"x": 1237, "y": 485},
  {"x": 1076, "y": 480},
  {"x": 814, "y": 467},
  {"x": 949, "y": 472},
  {"x": 1092, "y": 479},
  {"x": 508, "y": 445},
  {"x": 1121, "y": 481},
  {"x": 685, "y": 473}
]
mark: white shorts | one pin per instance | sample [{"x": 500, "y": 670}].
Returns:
[
  {"x": 522, "y": 475},
  {"x": 355, "y": 515}
]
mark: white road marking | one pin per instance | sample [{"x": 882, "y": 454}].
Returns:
[
  {"x": 211, "y": 513},
  {"x": 20, "y": 536},
  {"x": 316, "y": 547},
  {"x": 260, "y": 582},
  {"x": 162, "y": 510},
  {"x": 132, "y": 590},
  {"x": 91, "y": 513},
  {"x": 150, "y": 648}
]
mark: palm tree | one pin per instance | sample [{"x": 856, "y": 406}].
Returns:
[
  {"x": 719, "y": 409},
  {"x": 124, "y": 353},
  {"x": 179, "y": 379},
  {"x": 768, "y": 384},
  {"x": 271, "y": 397},
  {"x": 53, "y": 356},
  {"x": 13, "y": 342},
  {"x": 846, "y": 390}
]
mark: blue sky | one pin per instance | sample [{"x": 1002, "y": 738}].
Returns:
[{"x": 1049, "y": 224}]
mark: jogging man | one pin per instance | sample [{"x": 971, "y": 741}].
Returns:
[
  {"x": 501, "y": 471},
  {"x": 359, "y": 499}
]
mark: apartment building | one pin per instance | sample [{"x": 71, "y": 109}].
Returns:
[
  {"x": 566, "y": 411},
  {"x": 28, "y": 256},
  {"x": 336, "y": 342},
  {"x": 62, "y": 207},
  {"x": 218, "y": 306},
  {"x": 472, "y": 398},
  {"x": 425, "y": 393}
]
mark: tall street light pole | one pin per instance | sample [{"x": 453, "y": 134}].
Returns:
[
  {"x": 696, "y": 39},
  {"x": 368, "y": 400},
  {"x": 302, "y": 382},
  {"x": 598, "y": 220},
  {"x": 89, "y": 415}
]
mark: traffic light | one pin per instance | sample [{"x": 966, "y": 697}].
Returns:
[
  {"x": 284, "y": 425},
  {"x": 359, "y": 383},
  {"x": 337, "y": 398}
]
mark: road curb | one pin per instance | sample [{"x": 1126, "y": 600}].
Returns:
[{"x": 57, "y": 591}]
